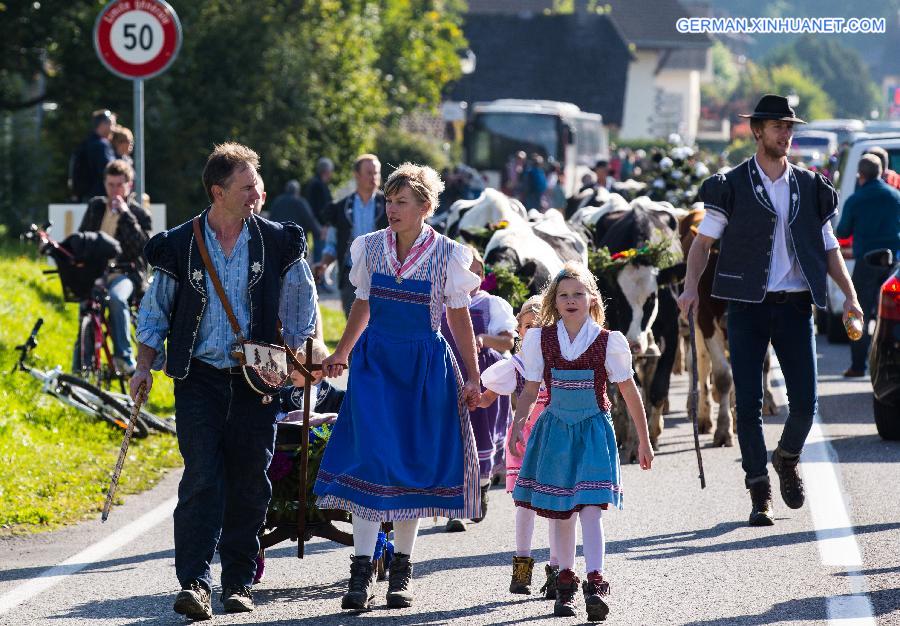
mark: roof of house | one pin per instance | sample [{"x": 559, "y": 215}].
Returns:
[
  {"x": 654, "y": 27},
  {"x": 645, "y": 23},
  {"x": 580, "y": 59}
]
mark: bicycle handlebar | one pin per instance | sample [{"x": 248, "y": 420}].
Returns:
[{"x": 29, "y": 344}]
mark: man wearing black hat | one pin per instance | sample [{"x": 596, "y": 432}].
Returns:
[{"x": 776, "y": 246}]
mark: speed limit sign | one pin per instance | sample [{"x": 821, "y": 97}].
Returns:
[{"x": 137, "y": 39}]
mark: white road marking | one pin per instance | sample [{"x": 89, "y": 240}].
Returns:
[
  {"x": 834, "y": 530},
  {"x": 74, "y": 564}
]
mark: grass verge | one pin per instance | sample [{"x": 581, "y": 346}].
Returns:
[{"x": 56, "y": 460}]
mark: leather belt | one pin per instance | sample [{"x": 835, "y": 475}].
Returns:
[
  {"x": 783, "y": 297},
  {"x": 234, "y": 370}
]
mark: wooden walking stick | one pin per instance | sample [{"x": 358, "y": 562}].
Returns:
[
  {"x": 694, "y": 397},
  {"x": 123, "y": 451}
]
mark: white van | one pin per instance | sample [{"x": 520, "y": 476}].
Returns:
[
  {"x": 813, "y": 147},
  {"x": 829, "y": 321}
]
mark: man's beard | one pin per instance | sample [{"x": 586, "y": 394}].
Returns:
[{"x": 773, "y": 151}]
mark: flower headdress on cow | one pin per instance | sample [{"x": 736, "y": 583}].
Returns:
[{"x": 661, "y": 252}]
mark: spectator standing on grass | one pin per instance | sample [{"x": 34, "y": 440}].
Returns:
[
  {"x": 318, "y": 195},
  {"x": 91, "y": 157}
]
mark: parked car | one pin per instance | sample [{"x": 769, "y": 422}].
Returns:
[
  {"x": 829, "y": 320},
  {"x": 845, "y": 129},
  {"x": 813, "y": 147},
  {"x": 884, "y": 355}
]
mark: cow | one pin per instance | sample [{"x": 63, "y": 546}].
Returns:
[
  {"x": 713, "y": 367},
  {"x": 530, "y": 257},
  {"x": 569, "y": 244},
  {"x": 641, "y": 303},
  {"x": 491, "y": 207}
]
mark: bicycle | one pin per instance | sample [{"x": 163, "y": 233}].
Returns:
[
  {"x": 75, "y": 392},
  {"x": 81, "y": 283}
]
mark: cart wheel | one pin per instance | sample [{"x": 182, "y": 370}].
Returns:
[{"x": 332, "y": 532}]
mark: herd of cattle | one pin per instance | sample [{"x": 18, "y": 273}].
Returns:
[{"x": 640, "y": 299}]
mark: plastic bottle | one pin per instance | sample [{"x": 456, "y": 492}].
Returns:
[{"x": 854, "y": 327}]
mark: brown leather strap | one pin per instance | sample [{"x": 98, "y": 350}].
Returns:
[{"x": 201, "y": 246}]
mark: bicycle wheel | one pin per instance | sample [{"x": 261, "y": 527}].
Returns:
[
  {"x": 161, "y": 424},
  {"x": 95, "y": 402},
  {"x": 87, "y": 356}
]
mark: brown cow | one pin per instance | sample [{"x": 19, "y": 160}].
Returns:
[{"x": 713, "y": 367}]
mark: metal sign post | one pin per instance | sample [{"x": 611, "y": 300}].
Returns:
[{"x": 137, "y": 40}]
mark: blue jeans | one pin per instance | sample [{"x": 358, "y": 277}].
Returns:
[
  {"x": 789, "y": 328},
  {"x": 226, "y": 436},
  {"x": 120, "y": 289}
]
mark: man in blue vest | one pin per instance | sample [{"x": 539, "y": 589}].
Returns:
[
  {"x": 776, "y": 246},
  {"x": 872, "y": 217},
  {"x": 226, "y": 433}
]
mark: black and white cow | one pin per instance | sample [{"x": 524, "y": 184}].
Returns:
[
  {"x": 490, "y": 207},
  {"x": 530, "y": 257},
  {"x": 641, "y": 303}
]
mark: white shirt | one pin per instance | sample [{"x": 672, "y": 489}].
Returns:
[
  {"x": 503, "y": 320},
  {"x": 618, "y": 354},
  {"x": 460, "y": 282},
  {"x": 784, "y": 273},
  {"x": 501, "y": 376}
]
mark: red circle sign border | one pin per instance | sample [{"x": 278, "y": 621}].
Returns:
[{"x": 160, "y": 63}]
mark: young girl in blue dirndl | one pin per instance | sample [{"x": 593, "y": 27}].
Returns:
[
  {"x": 403, "y": 447},
  {"x": 571, "y": 462}
]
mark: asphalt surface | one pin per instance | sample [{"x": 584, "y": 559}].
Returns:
[{"x": 675, "y": 555}]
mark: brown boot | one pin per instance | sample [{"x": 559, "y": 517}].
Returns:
[
  {"x": 789, "y": 478},
  {"x": 566, "y": 588},
  {"x": 595, "y": 589},
  {"x": 549, "y": 588},
  {"x": 361, "y": 589},
  {"x": 521, "y": 576},
  {"x": 399, "y": 575},
  {"x": 761, "y": 499}
]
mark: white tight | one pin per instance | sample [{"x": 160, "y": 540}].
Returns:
[
  {"x": 365, "y": 535},
  {"x": 525, "y": 531},
  {"x": 592, "y": 535}
]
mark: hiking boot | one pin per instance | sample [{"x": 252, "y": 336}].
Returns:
[
  {"x": 193, "y": 602},
  {"x": 788, "y": 477},
  {"x": 398, "y": 594},
  {"x": 549, "y": 588},
  {"x": 521, "y": 576},
  {"x": 361, "y": 589},
  {"x": 484, "y": 503},
  {"x": 566, "y": 588},
  {"x": 761, "y": 499},
  {"x": 595, "y": 589},
  {"x": 237, "y": 599},
  {"x": 455, "y": 525}
]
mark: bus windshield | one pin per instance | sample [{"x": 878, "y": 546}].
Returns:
[{"x": 495, "y": 137}]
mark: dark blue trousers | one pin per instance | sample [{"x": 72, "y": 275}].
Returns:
[
  {"x": 789, "y": 328},
  {"x": 226, "y": 436}
]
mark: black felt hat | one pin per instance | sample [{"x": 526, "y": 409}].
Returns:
[{"x": 772, "y": 107}]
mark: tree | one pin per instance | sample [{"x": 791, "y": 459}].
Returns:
[
  {"x": 725, "y": 76},
  {"x": 783, "y": 80},
  {"x": 839, "y": 70},
  {"x": 293, "y": 79}
]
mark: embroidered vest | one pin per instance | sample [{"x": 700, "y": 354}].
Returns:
[
  {"x": 594, "y": 358},
  {"x": 742, "y": 270}
]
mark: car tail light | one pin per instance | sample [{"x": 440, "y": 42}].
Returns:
[
  {"x": 889, "y": 306},
  {"x": 846, "y": 245}
]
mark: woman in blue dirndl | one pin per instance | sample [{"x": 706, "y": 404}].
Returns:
[{"x": 403, "y": 447}]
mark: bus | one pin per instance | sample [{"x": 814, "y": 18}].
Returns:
[{"x": 558, "y": 131}]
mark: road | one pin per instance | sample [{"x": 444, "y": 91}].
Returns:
[{"x": 676, "y": 554}]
